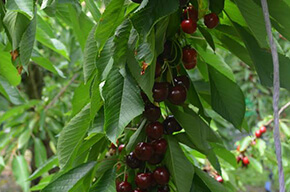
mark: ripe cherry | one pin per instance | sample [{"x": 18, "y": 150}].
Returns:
[
  {"x": 121, "y": 147},
  {"x": 161, "y": 175},
  {"x": 263, "y": 129},
  {"x": 144, "y": 98},
  {"x": 219, "y": 179},
  {"x": 258, "y": 133},
  {"x": 177, "y": 94},
  {"x": 160, "y": 146},
  {"x": 188, "y": 26},
  {"x": 160, "y": 91},
  {"x": 152, "y": 113},
  {"x": 124, "y": 187},
  {"x": 139, "y": 190},
  {"x": 211, "y": 20},
  {"x": 246, "y": 161},
  {"x": 155, "y": 159},
  {"x": 189, "y": 57},
  {"x": 154, "y": 130},
  {"x": 144, "y": 180},
  {"x": 171, "y": 125},
  {"x": 144, "y": 151},
  {"x": 164, "y": 188},
  {"x": 190, "y": 13},
  {"x": 132, "y": 161},
  {"x": 239, "y": 159},
  {"x": 182, "y": 80}
]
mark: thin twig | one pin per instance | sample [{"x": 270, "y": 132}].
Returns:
[
  {"x": 62, "y": 91},
  {"x": 276, "y": 85},
  {"x": 283, "y": 108}
]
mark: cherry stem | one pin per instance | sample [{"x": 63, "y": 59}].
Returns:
[{"x": 170, "y": 73}]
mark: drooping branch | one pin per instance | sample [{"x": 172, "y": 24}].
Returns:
[{"x": 276, "y": 85}]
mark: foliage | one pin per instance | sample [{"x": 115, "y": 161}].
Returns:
[{"x": 71, "y": 78}]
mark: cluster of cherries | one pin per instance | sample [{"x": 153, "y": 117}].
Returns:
[
  {"x": 190, "y": 18},
  {"x": 259, "y": 133}
]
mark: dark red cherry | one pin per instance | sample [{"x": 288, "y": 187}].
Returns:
[
  {"x": 137, "y": 1},
  {"x": 171, "y": 125},
  {"x": 258, "y": 134},
  {"x": 164, "y": 188},
  {"x": 177, "y": 94},
  {"x": 152, "y": 113},
  {"x": 246, "y": 161},
  {"x": 188, "y": 26},
  {"x": 144, "y": 151},
  {"x": 144, "y": 97},
  {"x": 190, "y": 13},
  {"x": 263, "y": 129},
  {"x": 139, "y": 190},
  {"x": 161, "y": 175},
  {"x": 189, "y": 57},
  {"x": 160, "y": 91},
  {"x": 124, "y": 187},
  {"x": 155, "y": 159},
  {"x": 144, "y": 180},
  {"x": 132, "y": 161},
  {"x": 211, "y": 20},
  {"x": 160, "y": 146},
  {"x": 182, "y": 80},
  {"x": 154, "y": 130}
]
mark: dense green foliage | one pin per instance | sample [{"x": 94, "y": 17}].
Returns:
[{"x": 71, "y": 74}]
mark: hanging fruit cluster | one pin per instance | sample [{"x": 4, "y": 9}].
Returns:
[{"x": 171, "y": 85}]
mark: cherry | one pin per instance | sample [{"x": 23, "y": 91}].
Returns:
[
  {"x": 155, "y": 159},
  {"x": 211, "y": 20},
  {"x": 145, "y": 98},
  {"x": 124, "y": 187},
  {"x": 160, "y": 91},
  {"x": 189, "y": 57},
  {"x": 263, "y": 129},
  {"x": 219, "y": 179},
  {"x": 164, "y": 188},
  {"x": 190, "y": 13},
  {"x": 188, "y": 26},
  {"x": 159, "y": 146},
  {"x": 239, "y": 159},
  {"x": 144, "y": 180},
  {"x": 177, "y": 94},
  {"x": 121, "y": 147},
  {"x": 144, "y": 151},
  {"x": 154, "y": 130},
  {"x": 171, "y": 125},
  {"x": 246, "y": 161},
  {"x": 132, "y": 161},
  {"x": 161, "y": 175},
  {"x": 137, "y": 1},
  {"x": 258, "y": 133},
  {"x": 138, "y": 190},
  {"x": 152, "y": 113},
  {"x": 182, "y": 80}
]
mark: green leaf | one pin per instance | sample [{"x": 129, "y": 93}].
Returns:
[
  {"x": 155, "y": 10},
  {"x": 68, "y": 180},
  {"x": 10, "y": 92},
  {"x": 71, "y": 137},
  {"x": 27, "y": 42},
  {"x": 216, "y": 6},
  {"x": 253, "y": 14},
  {"x": 96, "y": 99},
  {"x": 227, "y": 98},
  {"x": 146, "y": 49},
  {"x": 81, "y": 97},
  {"x": 106, "y": 183},
  {"x": 245, "y": 143},
  {"x": 80, "y": 23},
  {"x": 90, "y": 55},
  {"x": 210, "y": 182},
  {"x": 207, "y": 37},
  {"x": 178, "y": 165},
  {"x": 21, "y": 172},
  {"x": 25, "y": 7},
  {"x": 45, "y": 167},
  {"x": 42, "y": 183},
  {"x": 23, "y": 139},
  {"x": 106, "y": 26},
  {"x": 16, "y": 24},
  {"x": 122, "y": 102},
  {"x": 93, "y": 9},
  {"x": 40, "y": 152},
  {"x": 7, "y": 70},
  {"x": 2, "y": 164},
  {"x": 223, "y": 153},
  {"x": 137, "y": 137},
  {"x": 256, "y": 165}
]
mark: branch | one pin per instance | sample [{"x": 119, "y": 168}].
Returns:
[
  {"x": 276, "y": 85},
  {"x": 62, "y": 91},
  {"x": 283, "y": 108}
]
